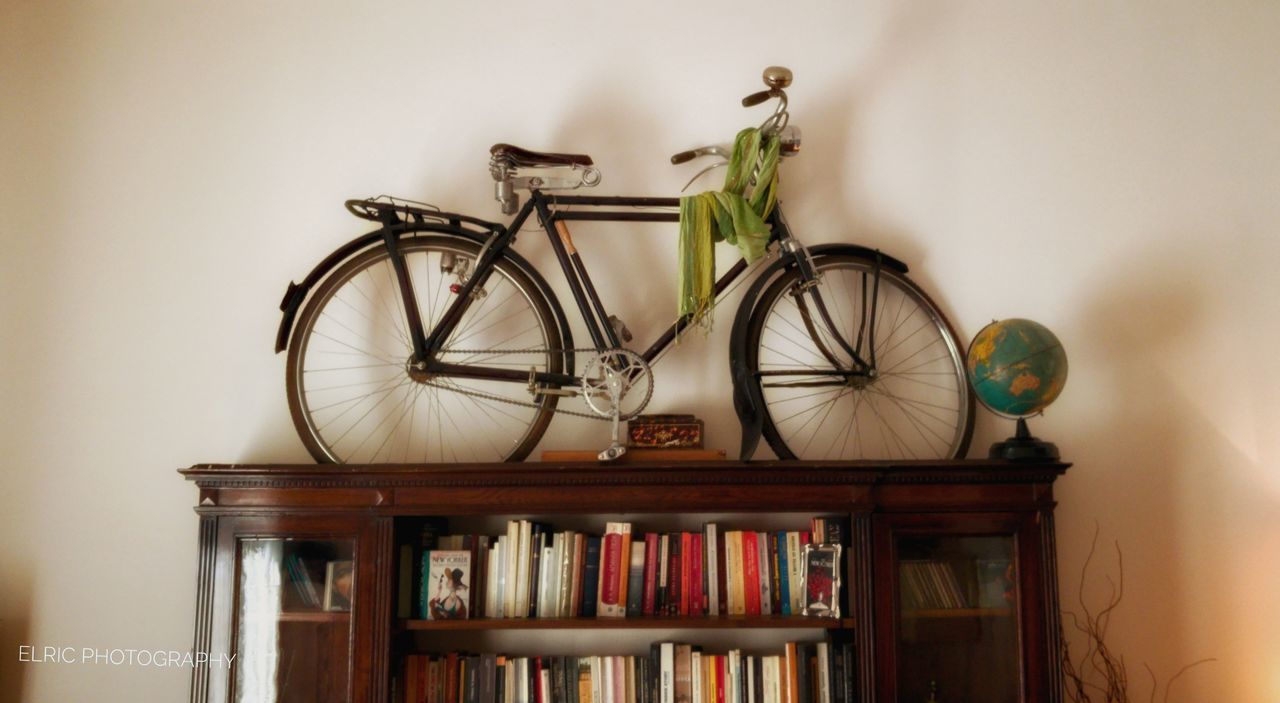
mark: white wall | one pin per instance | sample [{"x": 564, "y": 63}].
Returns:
[{"x": 1109, "y": 169}]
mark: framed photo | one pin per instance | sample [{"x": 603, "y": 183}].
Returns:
[
  {"x": 821, "y": 587},
  {"x": 339, "y": 580}
]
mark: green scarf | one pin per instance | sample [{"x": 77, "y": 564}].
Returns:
[{"x": 735, "y": 215}]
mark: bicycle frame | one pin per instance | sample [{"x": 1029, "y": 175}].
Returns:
[{"x": 428, "y": 343}]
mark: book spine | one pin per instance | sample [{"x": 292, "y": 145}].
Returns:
[
  {"x": 635, "y": 581},
  {"x": 579, "y": 565},
  {"x": 673, "y": 570},
  {"x": 565, "y": 583},
  {"x": 775, "y": 573},
  {"x": 766, "y": 579},
  {"x": 751, "y": 572},
  {"x": 649, "y": 599},
  {"x": 623, "y": 570},
  {"x": 733, "y": 567},
  {"x": 784, "y": 575},
  {"x": 697, "y": 579},
  {"x": 610, "y": 562},
  {"x": 711, "y": 569},
  {"x": 686, "y": 572},
  {"x": 591, "y": 576}
]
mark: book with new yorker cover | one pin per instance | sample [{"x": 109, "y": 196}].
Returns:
[{"x": 446, "y": 584}]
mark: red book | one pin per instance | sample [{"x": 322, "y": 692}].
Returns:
[
  {"x": 451, "y": 677},
  {"x": 650, "y": 596},
  {"x": 721, "y": 679},
  {"x": 686, "y": 571},
  {"x": 751, "y": 572},
  {"x": 610, "y": 553},
  {"x": 697, "y": 597},
  {"x": 536, "y": 663}
]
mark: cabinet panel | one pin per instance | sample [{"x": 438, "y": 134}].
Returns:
[
  {"x": 293, "y": 600},
  {"x": 960, "y": 608}
]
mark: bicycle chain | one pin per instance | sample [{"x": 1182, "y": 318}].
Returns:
[{"x": 509, "y": 401}]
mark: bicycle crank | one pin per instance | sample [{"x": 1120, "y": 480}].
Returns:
[{"x": 617, "y": 385}]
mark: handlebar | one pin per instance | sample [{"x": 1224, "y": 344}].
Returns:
[{"x": 777, "y": 78}]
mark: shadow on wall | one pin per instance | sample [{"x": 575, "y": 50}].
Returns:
[
  {"x": 15, "y": 630},
  {"x": 1136, "y": 461}
]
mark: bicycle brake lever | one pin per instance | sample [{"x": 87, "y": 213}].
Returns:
[{"x": 699, "y": 174}]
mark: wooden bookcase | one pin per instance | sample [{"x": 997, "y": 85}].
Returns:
[{"x": 295, "y": 518}]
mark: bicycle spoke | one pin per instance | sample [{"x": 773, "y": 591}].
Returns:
[
  {"x": 915, "y": 407},
  {"x": 350, "y": 392}
]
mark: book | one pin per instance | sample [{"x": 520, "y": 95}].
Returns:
[
  {"x": 750, "y": 573},
  {"x": 591, "y": 577},
  {"x": 446, "y": 577},
  {"x": 711, "y": 555},
  {"x": 650, "y": 591},
  {"x": 636, "y": 581},
  {"x": 614, "y": 553},
  {"x": 339, "y": 582}
]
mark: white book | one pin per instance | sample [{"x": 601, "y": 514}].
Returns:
[
  {"x": 545, "y": 586},
  {"x": 824, "y": 674},
  {"x": 667, "y": 672},
  {"x": 735, "y": 658},
  {"x": 772, "y": 692},
  {"x": 522, "y": 680},
  {"x": 766, "y": 584},
  {"x": 607, "y": 679},
  {"x": 544, "y": 681},
  {"x": 597, "y": 683},
  {"x": 698, "y": 682},
  {"x": 511, "y": 552},
  {"x": 491, "y": 583},
  {"x": 564, "y": 584},
  {"x": 524, "y": 564},
  {"x": 711, "y": 568},
  {"x": 751, "y": 677}
]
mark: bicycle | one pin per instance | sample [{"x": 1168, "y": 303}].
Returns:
[{"x": 431, "y": 339}]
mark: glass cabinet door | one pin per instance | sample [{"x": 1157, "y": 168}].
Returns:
[
  {"x": 293, "y": 634},
  {"x": 957, "y": 619}
]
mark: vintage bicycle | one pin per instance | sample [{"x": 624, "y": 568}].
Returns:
[{"x": 430, "y": 339}]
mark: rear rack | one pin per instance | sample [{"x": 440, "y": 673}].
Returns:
[{"x": 394, "y": 211}]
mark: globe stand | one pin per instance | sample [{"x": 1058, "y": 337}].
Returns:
[{"x": 1023, "y": 447}]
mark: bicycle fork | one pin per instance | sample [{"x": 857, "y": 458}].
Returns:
[{"x": 818, "y": 322}]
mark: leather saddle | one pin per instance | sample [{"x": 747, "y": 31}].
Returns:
[{"x": 517, "y": 157}]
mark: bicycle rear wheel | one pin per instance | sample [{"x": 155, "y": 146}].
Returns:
[
  {"x": 351, "y": 393},
  {"x": 918, "y": 404}
]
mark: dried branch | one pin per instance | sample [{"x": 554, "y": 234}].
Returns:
[{"x": 1098, "y": 663}]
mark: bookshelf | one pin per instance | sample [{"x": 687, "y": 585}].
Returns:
[{"x": 983, "y": 529}]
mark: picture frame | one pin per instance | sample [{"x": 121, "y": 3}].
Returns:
[
  {"x": 821, "y": 580},
  {"x": 339, "y": 583}
]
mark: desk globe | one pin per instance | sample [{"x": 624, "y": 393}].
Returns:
[{"x": 1017, "y": 368}]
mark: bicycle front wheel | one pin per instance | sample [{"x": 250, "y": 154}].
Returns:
[
  {"x": 917, "y": 404},
  {"x": 353, "y": 394}
]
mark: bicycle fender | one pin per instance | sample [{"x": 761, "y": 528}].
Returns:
[
  {"x": 297, "y": 293},
  {"x": 748, "y": 401}
]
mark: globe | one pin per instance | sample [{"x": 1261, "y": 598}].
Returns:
[{"x": 1017, "y": 368}]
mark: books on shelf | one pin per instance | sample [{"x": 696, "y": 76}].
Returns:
[
  {"x": 928, "y": 584},
  {"x": 533, "y": 570},
  {"x": 672, "y": 672}
]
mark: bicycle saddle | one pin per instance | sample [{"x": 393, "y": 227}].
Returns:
[{"x": 517, "y": 157}]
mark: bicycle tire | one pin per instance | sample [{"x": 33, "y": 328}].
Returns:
[
  {"x": 922, "y": 411},
  {"x": 356, "y": 315}
]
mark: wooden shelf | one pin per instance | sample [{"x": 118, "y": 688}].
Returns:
[
  {"x": 938, "y": 613},
  {"x": 731, "y": 622},
  {"x": 313, "y": 616}
]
